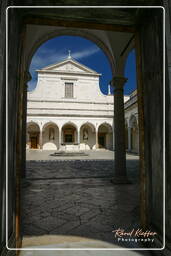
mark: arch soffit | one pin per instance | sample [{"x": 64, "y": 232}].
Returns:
[
  {"x": 92, "y": 126},
  {"x": 52, "y": 124},
  {"x": 72, "y": 32},
  {"x": 71, "y": 124},
  {"x": 106, "y": 124},
  {"x": 33, "y": 123},
  {"x": 122, "y": 60}
]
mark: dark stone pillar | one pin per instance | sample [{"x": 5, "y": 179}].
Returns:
[
  {"x": 119, "y": 126},
  {"x": 129, "y": 139},
  {"x": 41, "y": 139},
  {"x": 150, "y": 108},
  {"x": 27, "y": 78},
  {"x": 60, "y": 139},
  {"x": 97, "y": 141}
]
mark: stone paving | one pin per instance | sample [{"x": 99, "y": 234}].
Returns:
[
  {"x": 44, "y": 155},
  {"x": 77, "y": 198}
]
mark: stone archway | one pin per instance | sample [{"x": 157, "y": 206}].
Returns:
[
  {"x": 87, "y": 136},
  {"x": 50, "y": 136},
  {"x": 150, "y": 86},
  {"x": 33, "y": 132},
  {"x": 89, "y": 35},
  {"x": 126, "y": 135},
  {"x": 105, "y": 136},
  {"x": 69, "y": 136}
]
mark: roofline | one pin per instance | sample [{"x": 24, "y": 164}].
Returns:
[
  {"x": 71, "y": 59},
  {"x": 66, "y": 72}
]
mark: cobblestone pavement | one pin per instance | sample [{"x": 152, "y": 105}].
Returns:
[{"x": 77, "y": 198}]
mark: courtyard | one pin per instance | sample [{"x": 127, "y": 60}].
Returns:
[{"x": 73, "y": 196}]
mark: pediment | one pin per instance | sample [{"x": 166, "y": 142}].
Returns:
[{"x": 69, "y": 66}]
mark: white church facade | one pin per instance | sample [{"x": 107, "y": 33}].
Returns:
[{"x": 67, "y": 110}]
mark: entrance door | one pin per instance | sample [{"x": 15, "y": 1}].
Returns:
[
  {"x": 33, "y": 142},
  {"x": 102, "y": 140},
  {"x": 69, "y": 134},
  {"x": 68, "y": 138}
]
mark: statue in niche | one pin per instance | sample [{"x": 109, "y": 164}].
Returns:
[
  {"x": 51, "y": 134},
  {"x": 85, "y": 134}
]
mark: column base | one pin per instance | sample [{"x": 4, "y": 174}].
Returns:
[{"x": 120, "y": 180}]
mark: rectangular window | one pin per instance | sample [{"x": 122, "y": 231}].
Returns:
[{"x": 68, "y": 90}]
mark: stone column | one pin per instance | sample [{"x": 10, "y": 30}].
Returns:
[
  {"x": 60, "y": 138},
  {"x": 129, "y": 139},
  {"x": 78, "y": 137},
  {"x": 24, "y": 80},
  {"x": 113, "y": 137},
  {"x": 97, "y": 143},
  {"x": 41, "y": 139},
  {"x": 120, "y": 176},
  {"x": 75, "y": 138}
]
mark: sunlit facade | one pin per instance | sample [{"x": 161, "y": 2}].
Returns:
[{"x": 67, "y": 110}]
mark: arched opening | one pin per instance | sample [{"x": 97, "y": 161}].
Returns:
[
  {"x": 90, "y": 51},
  {"x": 50, "y": 136},
  {"x": 149, "y": 83},
  {"x": 69, "y": 135},
  {"x": 105, "y": 136},
  {"x": 130, "y": 72},
  {"x": 134, "y": 134},
  {"x": 33, "y": 132},
  {"x": 131, "y": 105},
  {"x": 84, "y": 115},
  {"x": 87, "y": 136},
  {"x": 76, "y": 35}
]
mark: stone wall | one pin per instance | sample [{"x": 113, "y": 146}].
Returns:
[
  {"x": 152, "y": 78},
  {"x": 14, "y": 125},
  {"x": 2, "y": 125},
  {"x": 168, "y": 124}
]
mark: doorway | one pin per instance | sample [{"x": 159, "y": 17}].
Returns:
[
  {"x": 32, "y": 135},
  {"x": 69, "y": 134},
  {"x": 33, "y": 140},
  {"x": 102, "y": 140}
]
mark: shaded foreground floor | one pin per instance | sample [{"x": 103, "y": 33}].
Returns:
[{"x": 77, "y": 198}]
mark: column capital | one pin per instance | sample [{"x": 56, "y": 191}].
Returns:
[{"x": 118, "y": 82}]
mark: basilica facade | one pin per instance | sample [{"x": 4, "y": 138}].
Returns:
[{"x": 67, "y": 111}]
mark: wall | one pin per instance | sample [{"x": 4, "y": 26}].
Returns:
[
  {"x": 49, "y": 96},
  {"x": 2, "y": 126},
  {"x": 152, "y": 80},
  {"x": 168, "y": 125},
  {"x": 15, "y": 97}
]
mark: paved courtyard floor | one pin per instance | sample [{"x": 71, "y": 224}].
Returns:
[
  {"x": 35, "y": 154},
  {"x": 65, "y": 197}
]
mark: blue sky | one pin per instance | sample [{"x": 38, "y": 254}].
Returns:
[{"x": 85, "y": 52}]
